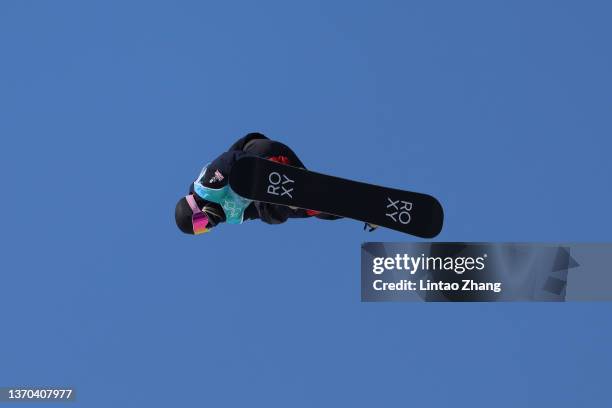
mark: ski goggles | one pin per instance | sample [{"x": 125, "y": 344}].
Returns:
[{"x": 199, "y": 219}]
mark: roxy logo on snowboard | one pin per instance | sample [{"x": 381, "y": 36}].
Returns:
[
  {"x": 399, "y": 210},
  {"x": 280, "y": 185}
]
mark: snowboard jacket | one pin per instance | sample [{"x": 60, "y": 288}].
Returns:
[{"x": 216, "y": 176}]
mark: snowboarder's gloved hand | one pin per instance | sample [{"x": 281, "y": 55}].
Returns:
[{"x": 371, "y": 227}]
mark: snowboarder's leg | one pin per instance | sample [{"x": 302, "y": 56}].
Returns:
[
  {"x": 267, "y": 148},
  {"x": 280, "y": 152}
]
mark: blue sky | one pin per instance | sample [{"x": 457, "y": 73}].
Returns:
[{"x": 109, "y": 109}]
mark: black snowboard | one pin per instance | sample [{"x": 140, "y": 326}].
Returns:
[{"x": 264, "y": 180}]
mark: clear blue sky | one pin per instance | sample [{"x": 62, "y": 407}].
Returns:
[{"x": 108, "y": 109}]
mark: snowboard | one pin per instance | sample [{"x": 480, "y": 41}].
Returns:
[{"x": 405, "y": 211}]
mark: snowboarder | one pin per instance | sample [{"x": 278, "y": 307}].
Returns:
[{"x": 211, "y": 201}]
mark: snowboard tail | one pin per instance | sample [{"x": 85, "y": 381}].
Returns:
[{"x": 405, "y": 211}]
